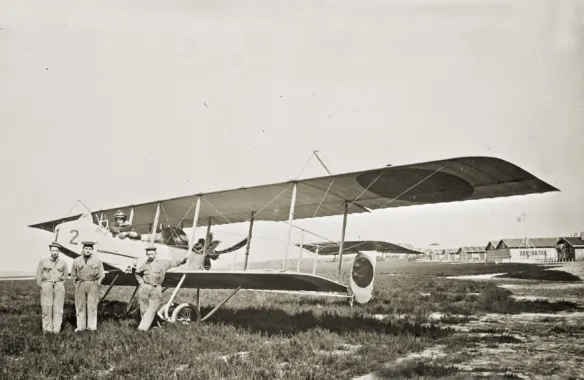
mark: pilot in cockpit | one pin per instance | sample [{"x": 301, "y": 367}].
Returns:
[{"x": 122, "y": 228}]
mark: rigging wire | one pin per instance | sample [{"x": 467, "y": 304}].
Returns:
[
  {"x": 304, "y": 167},
  {"x": 403, "y": 193}
]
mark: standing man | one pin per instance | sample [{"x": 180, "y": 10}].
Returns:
[
  {"x": 150, "y": 276},
  {"x": 87, "y": 273},
  {"x": 50, "y": 277}
]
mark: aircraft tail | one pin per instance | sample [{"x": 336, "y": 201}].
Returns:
[{"x": 362, "y": 277}]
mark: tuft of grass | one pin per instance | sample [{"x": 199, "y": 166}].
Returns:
[
  {"x": 455, "y": 319},
  {"x": 416, "y": 369},
  {"x": 503, "y": 373}
]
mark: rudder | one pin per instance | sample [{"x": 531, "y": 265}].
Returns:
[{"x": 362, "y": 277}]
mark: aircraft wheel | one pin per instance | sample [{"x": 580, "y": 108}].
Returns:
[
  {"x": 186, "y": 314},
  {"x": 112, "y": 309}
]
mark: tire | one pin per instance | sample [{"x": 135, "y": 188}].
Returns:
[
  {"x": 112, "y": 310},
  {"x": 186, "y": 314}
]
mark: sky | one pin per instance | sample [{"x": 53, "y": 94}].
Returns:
[{"x": 111, "y": 102}]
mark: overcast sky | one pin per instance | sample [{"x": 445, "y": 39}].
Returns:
[{"x": 111, "y": 102}]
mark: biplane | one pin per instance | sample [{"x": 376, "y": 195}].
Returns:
[{"x": 451, "y": 180}]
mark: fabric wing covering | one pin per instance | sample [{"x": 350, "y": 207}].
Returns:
[
  {"x": 451, "y": 180},
  {"x": 287, "y": 281}
]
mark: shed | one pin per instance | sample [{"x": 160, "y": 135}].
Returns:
[
  {"x": 472, "y": 253},
  {"x": 518, "y": 250},
  {"x": 570, "y": 248}
]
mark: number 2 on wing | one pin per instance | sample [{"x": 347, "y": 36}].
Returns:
[{"x": 75, "y": 233}]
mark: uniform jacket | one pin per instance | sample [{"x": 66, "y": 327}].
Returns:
[
  {"x": 53, "y": 271},
  {"x": 153, "y": 272},
  {"x": 124, "y": 227},
  {"x": 90, "y": 271}
]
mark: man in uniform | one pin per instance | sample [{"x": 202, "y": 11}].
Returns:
[
  {"x": 150, "y": 276},
  {"x": 87, "y": 274},
  {"x": 122, "y": 228},
  {"x": 50, "y": 277}
]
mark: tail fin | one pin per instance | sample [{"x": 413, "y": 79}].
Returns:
[{"x": 362, "y": 277}]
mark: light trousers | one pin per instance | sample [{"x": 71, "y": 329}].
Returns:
[
  {"x": 86, "y": 300},
  {"x": 149, "y": 297},
  {"x": 52, "y": 301}
]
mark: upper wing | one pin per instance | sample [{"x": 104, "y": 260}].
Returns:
[
  {"x": 457, "y": 179},
  {"x": 332, "y": 248}
]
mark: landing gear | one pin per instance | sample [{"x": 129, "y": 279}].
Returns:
[
  {"x": 112, "y": 310},
  {"x": 186, "y": 314}
]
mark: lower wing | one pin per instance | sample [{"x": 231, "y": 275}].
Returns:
[{"x": 258, "y": 280}]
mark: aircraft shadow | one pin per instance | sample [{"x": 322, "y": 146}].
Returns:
[
  {"x": 270, "y": 321},
  {"x": 276, "y": 322}
]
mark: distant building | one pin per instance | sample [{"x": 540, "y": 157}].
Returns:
[
  {"x": 523, "y": 250},
  {"x": 444, "y": 254},
  {"x": 451, "y": 254},
  {"x": 395, "y": 256},
  {"x": 571, "y": 248},
  {"x": 437, "y": 254},
  {"x": 492, "y": 245},
  {"x": 472, "y": 253}
]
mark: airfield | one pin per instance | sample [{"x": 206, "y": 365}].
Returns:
[{"x": 500, "y": 321}]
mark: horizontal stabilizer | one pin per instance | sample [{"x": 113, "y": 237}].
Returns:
[{"x": 349, "y": 247}]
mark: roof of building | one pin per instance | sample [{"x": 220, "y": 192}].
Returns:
[
  {"x": 493, "y": 244},
  {"x": 530, "y": 242},
  {"x": 573, "y": 241},
  {"x": 472, "y": 249}
]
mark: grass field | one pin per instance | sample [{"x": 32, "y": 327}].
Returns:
[{"x": 420, "y": 324}]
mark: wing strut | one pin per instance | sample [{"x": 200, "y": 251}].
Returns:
[
  {"x": 290, "y": 219},
  {"x": 322, "y": 163},
  {"x": 206, "y": 244},
  {"x": 155, "y": 224},
  {"x": 189, "y": 254},
  {"x": 314, "y": 260},
  {"x": 341, "y": 246},
  {"x": 301, "y": 248},
  {"x": 248, "y": 239},
  {"x": 192, "y": 240}
]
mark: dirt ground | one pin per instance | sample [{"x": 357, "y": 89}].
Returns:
[{"x": 537, "y": 346}]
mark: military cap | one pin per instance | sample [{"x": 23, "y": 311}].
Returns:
[
  {"x": 88, "y": 243},
  {"x": 119, "y": 214},
  {"x": 55, "y": 244},
  {"x": 151, "y": 248}
]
